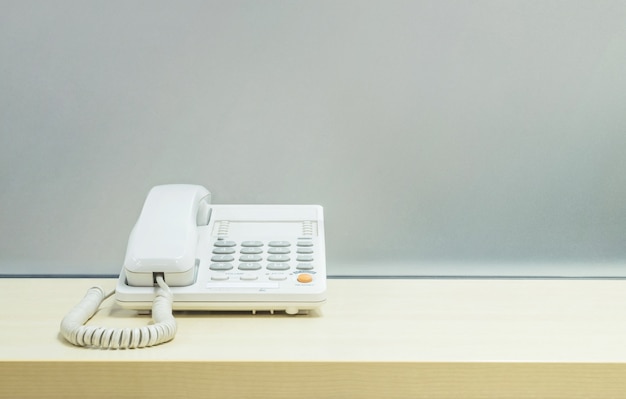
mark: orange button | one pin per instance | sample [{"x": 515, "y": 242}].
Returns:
[{"x": 305, "y": 278}]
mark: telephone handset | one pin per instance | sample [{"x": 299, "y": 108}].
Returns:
[
  {"x": 187, "y": 254},
  {"x": 165, "y": 238}
]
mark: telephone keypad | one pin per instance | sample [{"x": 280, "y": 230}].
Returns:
[
  {"x": 250, "y": 258},
  {"x": 278, "y": 258},
  {"x": 263, "y": 260},
  {"x": 278, "y": 266},
  {"x": 278, "y": 250},
  {"x": 249, "y": 266},
  {"x": 252, "y": 244},
  {"x": 221, "y": 266},
  {"x": 222, "y": 258},
  {"x": 223, "y": 243},
  {"x": 251, "y": 250},
  {"x": 279, "y": 244},
  {"x": 223, "y": 250}
]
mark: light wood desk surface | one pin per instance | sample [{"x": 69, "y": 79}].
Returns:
[{"x": 373, "y": 338}]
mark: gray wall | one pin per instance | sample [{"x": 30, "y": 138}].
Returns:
[{"x": 442, "y": 137}]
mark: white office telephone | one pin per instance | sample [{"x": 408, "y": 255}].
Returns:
[{"x": 186, "y": 254}]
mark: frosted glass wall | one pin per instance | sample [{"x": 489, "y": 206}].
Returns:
[{"x": 442, "y": 137}]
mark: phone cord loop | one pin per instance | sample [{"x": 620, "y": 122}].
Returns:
[{"x": 163, "y": 329}]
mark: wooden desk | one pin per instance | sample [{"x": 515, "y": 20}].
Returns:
[{"x": 374, "y": 338}]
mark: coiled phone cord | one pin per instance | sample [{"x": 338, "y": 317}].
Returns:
[{"x": 163, "y": 330}]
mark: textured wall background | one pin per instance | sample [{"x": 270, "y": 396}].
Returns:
[{"x": 433, "y": 132}]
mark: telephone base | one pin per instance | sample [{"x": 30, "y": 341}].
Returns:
[
  {"x": 252, "y": 258},
  {"x": 145, "y": 308},
  {"x": 289, "y": 312}
]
